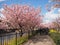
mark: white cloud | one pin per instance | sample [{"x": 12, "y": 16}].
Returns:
[
  {"x": 50, "y": 16},
  {"x": 1, "y": 9},
  {"x": 46, "y": 21},
  {"x": 2, "y": 0},
  {"x": 59, "y": 10},
  {"x": 49, "y": 1}
]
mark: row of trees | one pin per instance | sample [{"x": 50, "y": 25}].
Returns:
[
  {"x": 57, "y": 20},
  {"x": 55, "y": 4}
]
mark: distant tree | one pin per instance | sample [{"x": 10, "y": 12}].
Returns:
[
  {"x": 57, "y": 24},
  {"x": 53, "y": 4}
]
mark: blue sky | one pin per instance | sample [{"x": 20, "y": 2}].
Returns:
[
  {"x": 35, "y": 3},
  {"x": 48, "y": 16}
]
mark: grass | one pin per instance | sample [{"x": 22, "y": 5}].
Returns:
[
  {"x": 22, "y": 39},
  {"x": 55, "y": 36}
]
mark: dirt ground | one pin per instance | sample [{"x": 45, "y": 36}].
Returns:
[{"x": 40, "y": 40}]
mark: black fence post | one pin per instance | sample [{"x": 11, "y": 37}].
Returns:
[
  {"x": 1, "y": 40},
  {"x": 16, "y": 38}
]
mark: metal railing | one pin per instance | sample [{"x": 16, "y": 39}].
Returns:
[{"x": 7, "y": 39}]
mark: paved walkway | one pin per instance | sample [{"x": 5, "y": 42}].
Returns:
[{"x": 40, "y": 40}]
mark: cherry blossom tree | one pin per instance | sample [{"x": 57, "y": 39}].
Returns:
[
  {"x": 22, "y": 17},
  {"x": 2, "y": 24}
]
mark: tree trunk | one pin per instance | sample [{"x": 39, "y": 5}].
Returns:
[{"x": 21, "y": 33}]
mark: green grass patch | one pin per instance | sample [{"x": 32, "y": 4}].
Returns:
[
  {"x": 22, "y": 40},
  {"x": 56, "y": 37}
]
